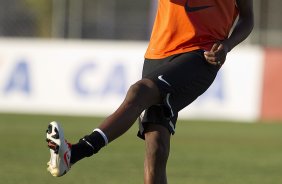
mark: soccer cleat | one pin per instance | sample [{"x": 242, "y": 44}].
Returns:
[{"x": 60, "y": 150}]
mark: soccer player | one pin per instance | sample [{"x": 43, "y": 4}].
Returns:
[{"x": 188, "y": 45}]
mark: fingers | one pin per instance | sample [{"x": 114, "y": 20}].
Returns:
[
  {"x": 220, "y": 47},
  {"x": 215, "y": 47},
  {"x": 217, "y": 54},
  {"x": 210, "y": 57}
]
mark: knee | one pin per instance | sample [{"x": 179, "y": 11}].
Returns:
[
  {"x": 143, "y": 86},
  {"x": 161, "y": 152},
  {"x": 157, "y": 150},
  {"x": 142, "y": 93}
]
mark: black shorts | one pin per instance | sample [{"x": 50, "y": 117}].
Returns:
[{"x": 181, "y": 79}]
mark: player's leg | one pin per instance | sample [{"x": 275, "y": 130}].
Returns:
[
  {"x": 140, "y": 95},
  {"x": 182, "y": 81},
  {"x": 157, "y": 146}
]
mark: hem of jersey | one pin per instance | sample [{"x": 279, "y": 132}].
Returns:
[{"x": 150, "y": 55}]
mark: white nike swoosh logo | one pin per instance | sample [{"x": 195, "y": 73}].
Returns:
[
  {"x": 171, "y": 125},
  {"x": 160, "y": 77}
]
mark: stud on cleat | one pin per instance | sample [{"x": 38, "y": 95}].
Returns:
[
  {"x": 49, "y": 129},
  {"x": 56, "y": 135}
]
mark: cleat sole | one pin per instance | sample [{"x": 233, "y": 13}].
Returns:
[{"x": 59, "y": 163}]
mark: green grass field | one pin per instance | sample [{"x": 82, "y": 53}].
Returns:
[{"x": 201, "y": 153}]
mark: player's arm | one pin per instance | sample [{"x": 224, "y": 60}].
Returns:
[
  {"x": 242, "y": 30},
  {"x": 243, "y": 27}
]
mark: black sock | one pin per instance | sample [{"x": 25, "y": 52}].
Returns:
[{"x": 87, "y": 146}]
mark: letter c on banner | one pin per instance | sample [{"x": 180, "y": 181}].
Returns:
[{"x": 78, "y": 80}]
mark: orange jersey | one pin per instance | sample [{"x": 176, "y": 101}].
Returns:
[{"x": 186, "y": 25}]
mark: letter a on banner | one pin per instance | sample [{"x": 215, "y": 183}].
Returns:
[{"x": 19, "y": 80}]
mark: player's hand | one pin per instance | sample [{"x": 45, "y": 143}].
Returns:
[{"x": 217, "y": 54}]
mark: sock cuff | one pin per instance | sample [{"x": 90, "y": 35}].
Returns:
[{"x": 102, "y": 134}]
